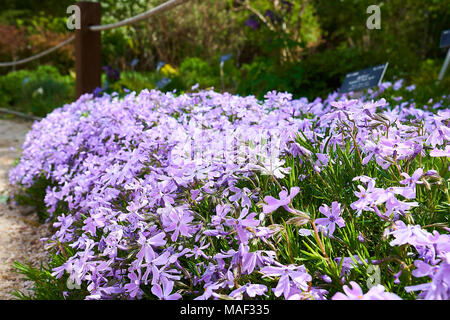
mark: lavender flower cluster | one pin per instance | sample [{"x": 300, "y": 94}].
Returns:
[{"x": 145, "y": 190}]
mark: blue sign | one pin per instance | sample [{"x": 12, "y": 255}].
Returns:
[
  {"x": 445, "y": 39},
  {"x": 134, "y": 62},
  {"x": 163, "y": 82},
  {"x": 225, "y": 57},
  {"x": 363, "y": 79},
  {"x": 160, "y": 65}
]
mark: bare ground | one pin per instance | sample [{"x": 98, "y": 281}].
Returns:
[{"x": 20, "y": 232}]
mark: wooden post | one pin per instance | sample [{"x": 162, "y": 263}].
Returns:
[{"x": 88, "y": 49}]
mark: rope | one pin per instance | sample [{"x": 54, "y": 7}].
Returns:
[
  {"x": 37, "y": 56},
  {"x": 159, "y": 9},
  {"x": 20, "y": 114}
]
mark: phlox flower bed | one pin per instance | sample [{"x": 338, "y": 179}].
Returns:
[{"x": 214, "y": 196}]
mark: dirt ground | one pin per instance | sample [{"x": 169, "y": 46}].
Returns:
[{"x": 20, "y": 232}]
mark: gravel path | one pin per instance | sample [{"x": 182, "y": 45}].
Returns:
[{"x": 19, "y": 233}]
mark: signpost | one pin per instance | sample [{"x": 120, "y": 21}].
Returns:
[
  {"x": 445, "y": 43},
  {"x": 363, "y": 79}
]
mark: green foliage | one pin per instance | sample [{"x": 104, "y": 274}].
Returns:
[
  {"x": 45, "y": 285},
  {"x": 37, "y": 91},
  {"x": 196, "y": 70},
  {"x": 264, "y": 75},
  {"x": 34, "y": 196},
  {"x": 134, "y": 81}
]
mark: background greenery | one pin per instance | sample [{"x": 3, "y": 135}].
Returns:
[{"x": 302, "y": 46}]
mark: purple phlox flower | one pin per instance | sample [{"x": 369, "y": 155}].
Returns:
[
  {"x": 96, "y": 220},
  {"x": 413, "y": 235},
  {"x": 439, "y": 287},
  {"x": 263, "y": 232},
  {"x": 152, "y": 267},
  {"x": 287, "y": 5},
  {"x": 111, "y": 73},
  {"x": 393, "y": 205},
  {"x": 409, "y": 192},
  {"x": 326, "y": 278},
  {"x": 397, "y": 148},
  {"x": 234, "y": 254},
  {"x": 165, "y": 293},
  {"x": 439, "y": 136},
  {"x": 348, "y": 263},
  {"x": 364, "y": 179},
  {"x": 195, "y": 195},
  {"x": 273, "y": 16},
  {"x": 97, "y": 92},
  {"x": 322, "y": 160},
  {"x": 165, "y": 193},
  {"x": 64, "y": 223},
  {"x": 177, "y": 220},
  {"x": 299, "y": 151},
  {"x": 254, "y": 259},
  {"x": 441, "y": 153},
  {"x": 355, "y": 293},
  {"x": 289, "y": 276},
  {"x": 398, "y": 84},
  {"x": 313, "y": 293},
  {"x": 361, "y": 238},
  {"x": 305, "y": 232},
  {"x": 135, "y": 206},
  {"x": 252, "y": 290},
  {"x": 332, "y": 219},
  {"x": 374, "y": 150},
  {"x": 271, "y": 166},
  {"x": 366, "y": 197},
  {"x": 133, "y": 287},
  {"x": 397, "y": 277},
  {"x": 197, "y": 251},
  {"x": 242, "y": 224},
  {"x": 147, "y": 246},
  {"x": 252, "y": 22},
  {"x": 110, "y": 292},
  {"x": 424, "y": 269},
  {"x": 241, "y": 194},
  {"x": 209, "y": 292},
  {"x": 221, "y": 214},
  {"x": 414, "y": 179},
  {"x": 285, "y": 199}
]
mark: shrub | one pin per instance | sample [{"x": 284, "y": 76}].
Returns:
[
  {"x": 37, "y": 91},
  {"x": 209, "y": 195}
]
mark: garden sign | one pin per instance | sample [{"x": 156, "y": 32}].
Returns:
[{"x": 363, "y": 79}]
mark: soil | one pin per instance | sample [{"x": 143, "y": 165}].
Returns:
[{"x": 20, "y": 231}]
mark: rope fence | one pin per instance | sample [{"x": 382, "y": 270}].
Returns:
[
  {"x": 88, "y": 44},
  {"x": 37, "y": 56},
  {"x": 145, "y": 15}
]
